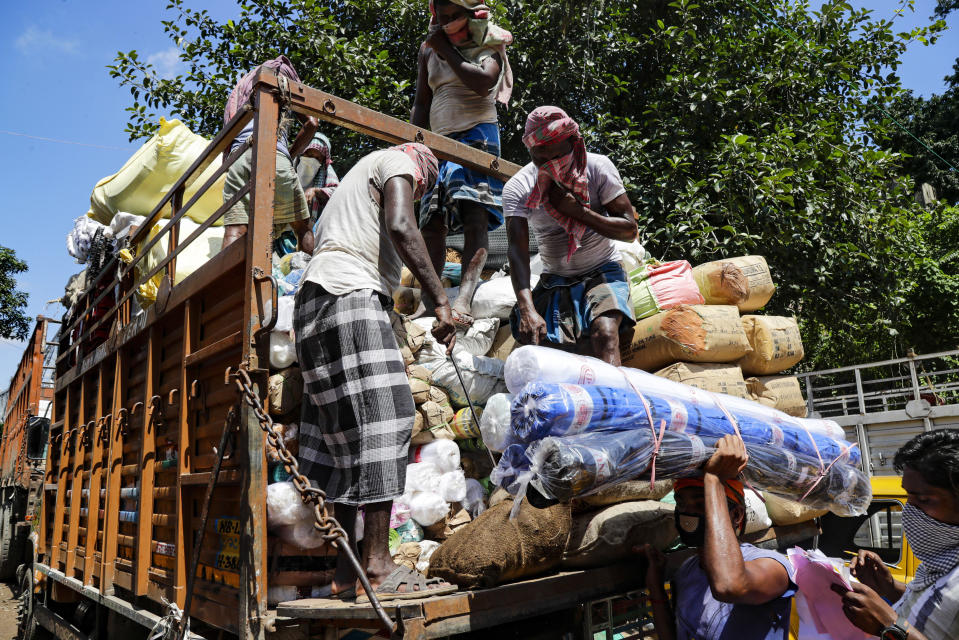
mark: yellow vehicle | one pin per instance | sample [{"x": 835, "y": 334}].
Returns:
[{"x": 880, "y": 530}]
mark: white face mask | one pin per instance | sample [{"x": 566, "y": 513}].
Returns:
[{"x": 935, "y": 543}]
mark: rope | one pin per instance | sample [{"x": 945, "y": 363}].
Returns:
[
  {"x": 657, "y": 440},
  {"x": 791, "y": 34},
  {"x": 166, "y": 626}
]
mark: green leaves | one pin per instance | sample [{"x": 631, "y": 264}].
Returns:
[
  {"x": 732, "y": 136},
  {"x": 14, "y": 324}
]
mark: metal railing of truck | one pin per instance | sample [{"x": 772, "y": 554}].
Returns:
[{"x": 884, "y": 404}]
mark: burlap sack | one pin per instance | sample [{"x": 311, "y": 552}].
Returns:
[
  {"x": 419, "y": 371},
  {"x": 718, "y": 378},
  {"x": 608, "y": 536},
  {"x": 499, "y": 495},
  {"x": 285, "y": 390},
  {"x": 493, "y": 549},
  {"x": 457, "y": 518},
  {"x": 744, "y": 282},
  {"x": 407, "y": 554},
  {"x": 409, "y": 337},
  {"x": 420, "y": 390},
  {"x": 503, "y": 343},
  {"x": 787, "y": 512},
  {"x": 778, "y": 392},
  {"x": 406, "y": 300},
  {"x": 687, "y": 333},
  {"x": 623, "y": 492},
  {"x": 776, "y": 345}
]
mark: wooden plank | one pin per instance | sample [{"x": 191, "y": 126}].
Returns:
[
  {"x": 63, "y": 474},
  {"x": 76, "y": 461},
  {"x": 104, "y": 378},
  {"x": 232, "y": 340},
  {"x": 191, "y": 316},
  {"x": 352, "y": 116},
  {"x": 488, "y": 607},
  {"x": 227, "y": 477},
  {"x": 147, "y": 469},
  {"x": 253, "y": 540},
  {"x": 111, "y": 521}
]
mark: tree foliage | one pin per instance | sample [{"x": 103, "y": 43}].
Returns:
[
  {"x": 734, "y": 135},
  {"x": 14, "y": 324}
]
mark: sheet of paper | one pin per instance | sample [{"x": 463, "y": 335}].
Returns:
[{"x": 815, "y": 574}]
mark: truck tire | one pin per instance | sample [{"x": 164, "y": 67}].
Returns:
[
  {"x": 27, "y": 626},
  {"x": 8, "y": 546}
]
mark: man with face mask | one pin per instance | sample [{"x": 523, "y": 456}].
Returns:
[
  {"x": 575, "y": 204},
  {"x": 728, "y": 589},
  {"x": 928, "y": 607}
]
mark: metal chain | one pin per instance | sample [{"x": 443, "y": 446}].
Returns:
[{"x": 329, "y": 528}]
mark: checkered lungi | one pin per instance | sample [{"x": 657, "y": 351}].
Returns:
[{"x": 358, "y": 410}]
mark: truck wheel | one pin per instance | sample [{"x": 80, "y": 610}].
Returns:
[
  {"x": 8, "y": 564},
  {"x": 27, "y": 626}
]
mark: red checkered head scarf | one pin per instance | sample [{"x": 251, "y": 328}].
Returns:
[
  {"x": 427, "y": 166},
  {"x": 551, "y": 125}
]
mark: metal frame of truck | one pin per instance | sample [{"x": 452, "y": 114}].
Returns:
[
  {"x": 137, "y": 420},
  {"x": 21, "y": 476}
]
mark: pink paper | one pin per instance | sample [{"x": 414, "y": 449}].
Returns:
[{"x": 814, "y": 575}]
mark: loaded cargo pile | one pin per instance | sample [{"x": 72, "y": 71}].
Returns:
[{"x": 557, "y": 468}]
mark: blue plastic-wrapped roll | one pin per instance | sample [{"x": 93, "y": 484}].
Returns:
[
  {"x": 556, "y": 409},
  {"x": 513, "y": 464},
  {"x": 562, "y": 468}
]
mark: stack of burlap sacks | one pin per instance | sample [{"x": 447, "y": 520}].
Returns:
[{"x": 722, "y": 345}]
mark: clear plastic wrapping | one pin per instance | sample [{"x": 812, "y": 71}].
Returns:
[
  {"x": 560, "y": 468},
  {"x": 551, "y": 409},
  {"x": 542, "y": 364}
]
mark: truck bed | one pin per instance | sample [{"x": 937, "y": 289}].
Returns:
[{"x": 467, "y": 611}]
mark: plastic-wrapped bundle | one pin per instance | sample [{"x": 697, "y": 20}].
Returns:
[
  {"x": 422, "y": 477},
  {"x": 453, "y": 486},
  {"x": 444, "y": 454},
  {"x": 428, "y": 508},
  {"x": 549, "y": 409},
  {"x": 284, "y": 507},
  {"x": 475, "y": 500},
  {"x": 495, "y": 421},
  {"x": 513, "y": 464},
  {"x": 542, "y": 364},
  {"x": 565, "y": 467}
]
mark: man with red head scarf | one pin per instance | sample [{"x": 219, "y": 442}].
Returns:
[
  {"x": 728, "y": 589},
  {"x": 575, "y": 204},
  {"x": 357, "y": 412}
]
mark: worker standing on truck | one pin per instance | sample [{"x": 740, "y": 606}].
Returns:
[
  {"x": 357, "y": 418},
  {"x": 728, "y": 589},
  {"x": 317, "y": 177},
  {"x": 463, "y": 73},
  {"x": 289, "y": 202},
  {"x": 928, "y": 607},
  {"x": 576, "y": 205}
]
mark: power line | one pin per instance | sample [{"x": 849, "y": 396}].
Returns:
[
  {"x": 79, "y": 144},
  {"x": 799, "y": 40}
]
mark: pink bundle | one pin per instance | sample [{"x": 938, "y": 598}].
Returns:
[{"x": 656, "y": 287}]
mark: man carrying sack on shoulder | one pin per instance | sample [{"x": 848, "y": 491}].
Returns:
[{"x": 729, "y": 589}]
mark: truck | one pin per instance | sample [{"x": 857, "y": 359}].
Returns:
[
  {"x": 153, "y": 516},
  {"x": 22, "y": 448},
  {"x": 154, "y": 490}
]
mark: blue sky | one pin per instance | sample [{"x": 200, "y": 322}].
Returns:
[{"x": 54, "y": 55}]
